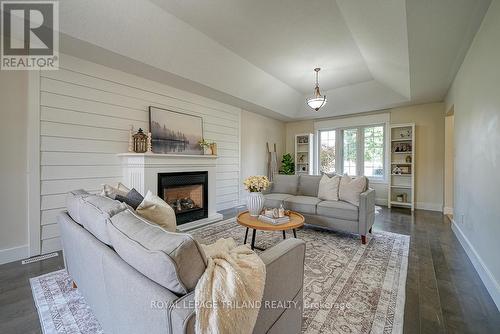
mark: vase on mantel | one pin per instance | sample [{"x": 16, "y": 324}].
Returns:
[
  {"x": 255, "y": 203},
  {"x": 207, "y": 150}
]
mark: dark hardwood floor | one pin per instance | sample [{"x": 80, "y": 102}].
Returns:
[
  {"x": 17, "y": 310},
  {"x": 444, "y": 294}
]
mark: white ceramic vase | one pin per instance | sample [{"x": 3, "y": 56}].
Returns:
[
  {"x": 255, "y": 203},
  {"x": 207, "y": 150}
]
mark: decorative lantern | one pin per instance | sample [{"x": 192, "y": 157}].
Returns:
[{"x": 140, "y": 141}]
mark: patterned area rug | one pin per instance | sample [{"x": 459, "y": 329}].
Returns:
[
  {"x": 60, "y": 307},
  {"x": 348, "y": 287}
]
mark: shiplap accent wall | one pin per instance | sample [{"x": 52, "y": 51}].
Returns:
[{"x": 85, "y": 114}]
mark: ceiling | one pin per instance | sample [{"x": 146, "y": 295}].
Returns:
[
  {"x": 279, "y": 36},
  {"x": 260, "y": 54}
]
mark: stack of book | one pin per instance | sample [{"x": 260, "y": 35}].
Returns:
[{"x": 274, "y": 221}]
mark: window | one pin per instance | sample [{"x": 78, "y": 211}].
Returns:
[
  {"x": 327, "y": 151},
  {"x": 353, "y": 151},
  {"x": 350, "y": 151},
  {"x": 374, "y": 151}
]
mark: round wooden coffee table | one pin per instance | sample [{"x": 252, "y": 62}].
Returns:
[{"x": 244, "y": 219}]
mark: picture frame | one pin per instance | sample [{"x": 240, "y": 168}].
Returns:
[{"x": 174, "y": 132}]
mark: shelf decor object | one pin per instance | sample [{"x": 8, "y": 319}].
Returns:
[
  {"x": 131, "y": 139},
  {"x": 402, "y": 181},
  {"x": 140, "y": 141},
  {"x": 316, "y": 101},
  {"x": 304, "y": 153}
]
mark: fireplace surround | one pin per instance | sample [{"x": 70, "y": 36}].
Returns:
[{"x": 142, "y": 171}]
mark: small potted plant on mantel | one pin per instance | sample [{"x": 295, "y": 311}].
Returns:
[{"x": 206, "y": 146}]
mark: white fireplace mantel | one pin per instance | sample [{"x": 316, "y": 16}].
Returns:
[{"x": 140, "y": 171}]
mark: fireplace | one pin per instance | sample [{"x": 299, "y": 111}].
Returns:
[
  {"x": 186, "y": 193},
  {"x": 154, "y": 172}
]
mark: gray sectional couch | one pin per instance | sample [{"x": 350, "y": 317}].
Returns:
[
  {"x": 299, "y": 193},
  {"x": 139, "y": 278}
]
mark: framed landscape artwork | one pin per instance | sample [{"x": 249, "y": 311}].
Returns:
[{"x": 175, "y": 132}]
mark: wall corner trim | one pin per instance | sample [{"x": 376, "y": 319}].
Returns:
[
  {"x": 488, "y": 280},
  {"x": 33, "y": 164},
  {"x": 14, "y": 254}
]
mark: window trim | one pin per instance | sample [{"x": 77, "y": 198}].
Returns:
[{"x": 360, "y": 148}]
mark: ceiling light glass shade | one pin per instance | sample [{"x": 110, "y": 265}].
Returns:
[{"x": 317, "y": 100}]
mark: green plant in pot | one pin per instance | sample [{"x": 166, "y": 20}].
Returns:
[{"x": 287, "y": 165}]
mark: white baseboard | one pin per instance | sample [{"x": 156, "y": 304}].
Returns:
[
  {"x": 14, "y": 254},
  {"x": 429, "y": 206},
  {"x": 488, "y": 280},
  {"x": 447, "y": 210}
]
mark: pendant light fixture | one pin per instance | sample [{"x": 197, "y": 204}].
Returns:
[{"x": 317, "y": 100}]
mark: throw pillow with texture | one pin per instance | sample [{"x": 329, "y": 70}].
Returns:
[
  {"x": 330, "y": 174},
  {"x": 111, "y": 191},
  {"x": 350, "y": 188},
  {"x": 133, "y": 198},
  {"x": 157, "y": 211},
  {"x": 329, "y": 188}
]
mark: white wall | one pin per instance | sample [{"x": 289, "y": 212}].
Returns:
[
  {"x": 256, "y": 131},
  {"x": 429, "y": 123},
  {"x": 13, "y": 165},
  {"x": 429, "y": 151},
  {"x": 475, "y": 97},
  {"x": 85, "y": 113}
]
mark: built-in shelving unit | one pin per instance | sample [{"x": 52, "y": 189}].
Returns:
[
  {"x": 402, "y": 180},
  {"x": 304, "y": 153}
]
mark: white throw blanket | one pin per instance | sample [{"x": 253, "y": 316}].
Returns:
[{"x": 229, "y": 293}]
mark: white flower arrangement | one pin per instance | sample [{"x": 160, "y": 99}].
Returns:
[{"x": 257, "y": 183}]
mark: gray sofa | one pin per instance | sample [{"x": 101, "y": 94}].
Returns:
[
  {"x": 299, "y": 193},
  {"x": 138, "y": 278}
]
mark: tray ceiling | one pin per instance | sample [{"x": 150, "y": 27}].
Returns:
[{"x": 260, "y": 54}]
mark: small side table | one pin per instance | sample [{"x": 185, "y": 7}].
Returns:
[{"x": 244, "y": 219}]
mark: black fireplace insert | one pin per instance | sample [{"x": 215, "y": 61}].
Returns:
[{"x": 186, "y": 193}]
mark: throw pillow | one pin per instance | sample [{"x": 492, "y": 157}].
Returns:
[
  {"x": 157, "y": 211},
  {"x": 133, "y": 198},
  {"x": 111, "y": 192},
  {"x": 329, "y": 188},
  {"x": 350, "y": 188},
  {"x": 329, "y": 174}
]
